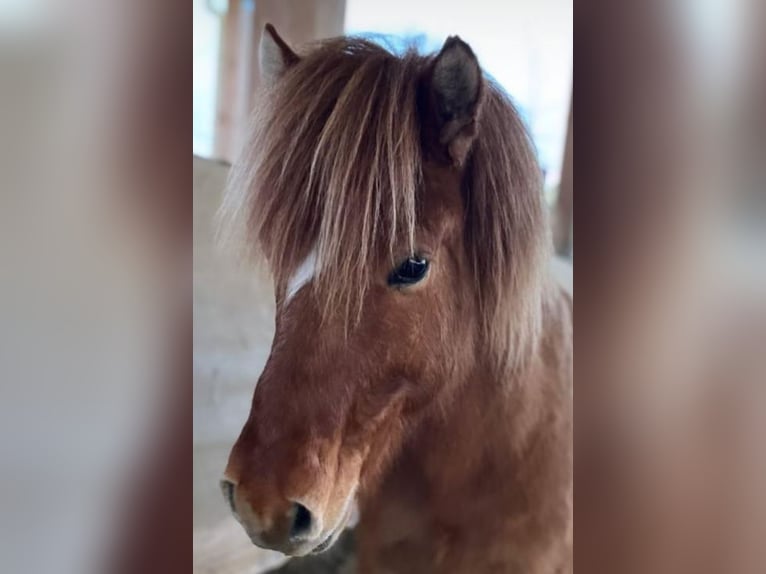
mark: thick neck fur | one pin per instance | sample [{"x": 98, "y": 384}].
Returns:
[{"x": 489, "y": 409}]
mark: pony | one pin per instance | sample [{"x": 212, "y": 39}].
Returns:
[{"x": 421, "y": 366}]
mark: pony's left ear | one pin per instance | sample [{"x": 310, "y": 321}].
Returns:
[
  {"x": 275, "y": 56},
  {"x": 456, "y": 88}
]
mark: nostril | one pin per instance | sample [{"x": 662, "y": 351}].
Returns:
[
  {"x": 227, "y": 487},
  {"x": 301, "y": 521}
]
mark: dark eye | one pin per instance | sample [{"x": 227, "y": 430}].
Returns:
[{"x": 409, "y": 272}]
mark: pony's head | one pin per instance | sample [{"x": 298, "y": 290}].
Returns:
[{"x": 397, "y": 202}]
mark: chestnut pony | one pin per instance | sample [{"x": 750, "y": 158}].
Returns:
[{"x": 422, "y": 361}]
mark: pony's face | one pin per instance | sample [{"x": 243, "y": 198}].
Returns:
[
  {"x": 333, "y": 402},
  {"x": 340, "y": 391}
]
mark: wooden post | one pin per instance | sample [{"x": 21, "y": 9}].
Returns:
[
  {"x": 298, "y": 22},
  {"x": 563, "y": 212}
]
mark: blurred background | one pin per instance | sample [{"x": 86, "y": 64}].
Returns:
[
  {"x": 95, "y": 289},
  {"x": 525, "y": 46}
]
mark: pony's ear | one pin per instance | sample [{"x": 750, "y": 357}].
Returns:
[
  {"x": 456, "y": 88},
  {"x": 275, "y": 55}
]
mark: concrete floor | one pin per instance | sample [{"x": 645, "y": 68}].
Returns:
[{"x": 233, "y": 328}]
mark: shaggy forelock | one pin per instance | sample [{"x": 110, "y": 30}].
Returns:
[{"x": 333, "y": 163}]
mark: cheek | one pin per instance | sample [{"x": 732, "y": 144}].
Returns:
[
  {"x": 409, "y": 336},
  {"x": 409, "y": 341},
  {"x": 442, "y": 327},
  {"x": 410, "y": 323},
  {"x": 382, "y": 400}
]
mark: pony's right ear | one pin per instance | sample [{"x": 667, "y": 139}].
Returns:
[
  {"x": 456, "y": 89},
  {"x": 275, "y": 55}
]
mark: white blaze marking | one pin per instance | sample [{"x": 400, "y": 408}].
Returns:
[{"x": 302, "y": 275}]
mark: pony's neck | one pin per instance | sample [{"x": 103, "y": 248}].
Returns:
[{"x": 498, "y": 412}]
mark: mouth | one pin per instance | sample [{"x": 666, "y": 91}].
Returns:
[
  {"x": 323, "y": 545},
  {"x": 334, "y": 535},
  {"x": 303, "y": 549}
]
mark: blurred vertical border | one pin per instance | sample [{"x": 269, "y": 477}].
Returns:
[{"x": 95, "y": 287}]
